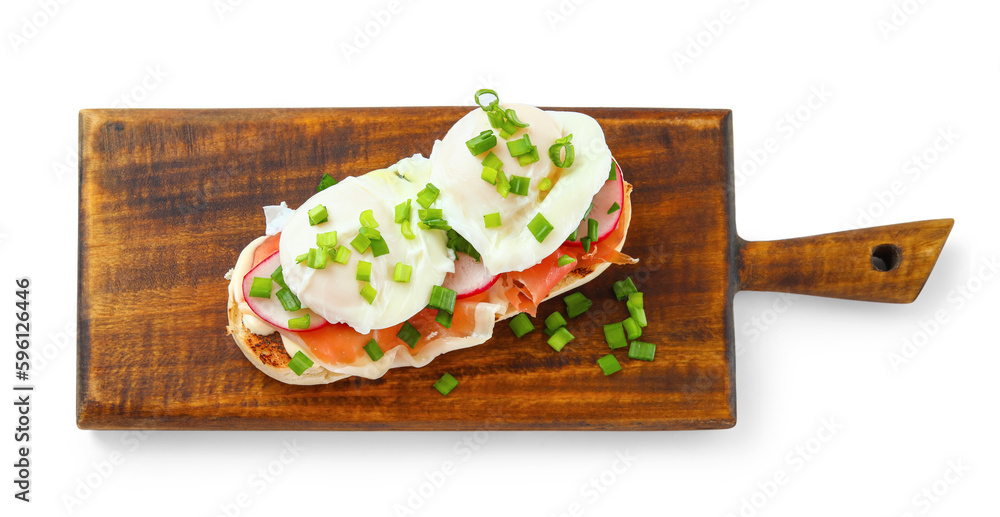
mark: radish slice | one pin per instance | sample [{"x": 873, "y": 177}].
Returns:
[
  {"x": 270, "y": 309},
  {"x": 612, "y": 192},
  {"x": 470, "y": 277}
]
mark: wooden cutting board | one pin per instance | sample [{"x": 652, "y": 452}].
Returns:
[{"x": 168, "y": 198}]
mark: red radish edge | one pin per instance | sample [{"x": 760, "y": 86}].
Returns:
[
  {"x": 612, "y": 192},
  {"x": 470, "y": 277},
  {"x": 270, "y": 309}
]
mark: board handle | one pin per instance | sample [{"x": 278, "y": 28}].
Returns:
[{"x": 882, "y": 264}]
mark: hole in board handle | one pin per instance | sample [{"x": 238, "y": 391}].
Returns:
[{"x": 886, "y": 257}]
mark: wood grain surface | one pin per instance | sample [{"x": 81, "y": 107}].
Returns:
[{"x": 168, "y": 198}]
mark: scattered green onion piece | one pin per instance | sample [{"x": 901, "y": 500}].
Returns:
[
  {"x": 373, "y": 350},
  {"x": 325, "y": 182},
  {"x": 279, "y": 277},
  {"x": 503, "y": 186},
  {"x": 520, "y": 146},
  {"x": 301, "y": 258},
  {"x": 614, "y": 334},
  {"x": 528, "y": 159},
  {"x": 445, "y": 384},
  {"x": 300, "y": 363},
  {"x": 554, "y": 321},
  {"x": 495, "y": 116},
  {"x": 326, "y": 240},
  {"x": 433, "y": 224},
  {"x": 592, "y": 229},
  {"x": 577, "y": 304},
  {"x": 317, "y": 215},
  {"x": 565, "y": 260},
  {"x": 300, "y": 323},
  {"x": 613, "y": 175},
  {"x": 402, "y": 212},
  {"x": 614, "y": 208},
  {"x": 368, "y": 293},
  {"x": 430, "y": 213},
  {"x": 288, "y": 300},
  {"x": 609, "y": 364},
  {"x": 460, "y": 245},
  {"x": 364, "y": 273},
  {"x": 492, "y": 220},
  {"x": 632, "y": 328},
  {"x": 548, "y": 332},
  {"x": 261, "y": 287},
  {"x": 512, "y": 117},
  {"x": 623, "y": 288},
  {"x": 360, "y": 243},
  {"x": 368, "y": 219},
  {"x": 636, "y": 299},
  {"x": 342, "y": 255},
  {"x": 371, "y": 233},
  {"x": 481, "y": 143},
  {"x": 642, "y": 351},
  {"x": 401, "y": 273},
  {"x": 539, "y": 227},
  {"x": 379, "y": 247},
  {"x": 556, "y": 152},
  {"x": 317, "y": 258},
  {"x": 443, "y": 298},
  {"x": 545, "y": 184},
  {"x": 489, "y": 175},
  {"x": 404, "y": 228},
  {"x": 572, "y": 236},
  {"x": 637, "y": 313},
  {"x": 519, "y": 185},
  {"x": 444, "y": 318},
  {"x": 506, "y": 131},
  {"x": 487, "y": 91},
  {"x": 492, "y": 161},
  {"x": 586, "y": 244},
  {"x": 559, "y": 339},
  {"x": 521, "y": 325},
  {"x": 428, "y": 195},
  {"x": 408, "y": 334}
]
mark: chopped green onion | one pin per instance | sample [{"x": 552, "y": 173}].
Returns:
[
  {"x": 460, "y": 245},
  {"x": 576, "y": 304},
  {"x": 434, "y": 224},
  {"x": 632, "y": 328},
  {"x": 445, "y": 384},
  {"x": 609, "y": 364},
  {"x": 317, "y": 215},
  {"x": 368, "y": 219},
  {"x": 401, "y": 273},
  {"x": 559, "y": 339},
  {"x": 364, "y": 273},
  {"x": 492, "y": 220},
  {"x": 368, "y": 293},
  {"x": 614, "y": 334},
  {"x": 430, "y": 213},
  {"x": 586, "y": 244},
  {"x": 300, "y": 363},
  {"x": 317, "y": 258},
  {"x": 614, "y": 208},
  {"x": 371, "y": 233},
  {"x": 342, "y": 255},
  {"x": 489, "y": 175},
  {"x": 404, "y": 228},
  {"x": 554, "y": 321},
  {"x": 326, "y": 240},
  {"x": 592, "y": 229},
  {"x": 613, "y": 174},
  {"x": 300, "y": 323},
  {"x": 512, "y": 117},
  {"x": 528, "y": 159},
  {"x": 325, "y": 182},
  {"x": 521, "y": 146},
  {"x": 402, "y": 212},
  {"x": 503, "y": 186},
  {"x": 545, "y": 184},
  {"x": 443, "y": 298},
  {"x": 565, "y": 260},
  {"x": 288, "y": 300},
  {"x": 495, "y": 116},
  {"x": 301, "y": 258},
  {"x": 637, "y": 313},
  {"x": 379, "y": 248},
  {"x": 428, "y": 195},
  {"x": 481, "y": 143},
  {"x": 492, "y": 161},
  {"x": 642, "y": 351},
  {"x": 444, "y": 318},
  {"x": 519, "y": 185},
  {"x": 539, "y": 227},
  {"x": 521, "y": 325},
  {"x": 373, "y": 350},
  {"x": 360, "y": 243},
  {"x": 408, "y": 334},
  {"x": 487, "y": 91},
  {"x": 556, "y": 151},
  {"x": 278, "y": 277},
  {"x": 572, "y": 236},
  {"x": 623, "y": 288},
  {"x": 635, "y": 299},
  {"x": 261, "y": 287}
]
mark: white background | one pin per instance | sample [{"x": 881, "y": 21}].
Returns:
[{"x": 804, "y": 363}]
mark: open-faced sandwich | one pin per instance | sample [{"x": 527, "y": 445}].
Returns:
[{"x": 399, "y": 265}]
